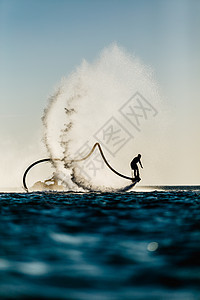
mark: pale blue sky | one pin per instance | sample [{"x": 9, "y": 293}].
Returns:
[{"x": 43, "y": 40}]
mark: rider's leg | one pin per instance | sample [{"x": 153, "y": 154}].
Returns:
[
  {"x": 132, "y": 173},
  {"x": 137, "y": 173}
]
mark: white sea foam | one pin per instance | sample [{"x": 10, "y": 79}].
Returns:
[{"x": 76, "y": 114}]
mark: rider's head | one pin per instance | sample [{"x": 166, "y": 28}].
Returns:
[{"x": 139, "y": 155}]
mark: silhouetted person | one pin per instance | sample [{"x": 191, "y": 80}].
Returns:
[{"x": 134, "y": 166}]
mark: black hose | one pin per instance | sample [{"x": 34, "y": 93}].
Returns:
[{"x": 77, "y": 160}]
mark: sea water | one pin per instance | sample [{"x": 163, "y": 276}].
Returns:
[{"x": 101, "y": 246}]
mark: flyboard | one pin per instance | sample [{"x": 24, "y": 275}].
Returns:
[{"x": 134, "y": 180}]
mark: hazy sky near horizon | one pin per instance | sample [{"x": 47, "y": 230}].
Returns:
[{"x": 43, "y": 41}]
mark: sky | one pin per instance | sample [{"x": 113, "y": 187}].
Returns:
[{"x": 43, "y": 41}]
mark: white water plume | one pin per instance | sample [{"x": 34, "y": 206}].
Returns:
[{"x": 90, "y": 106}]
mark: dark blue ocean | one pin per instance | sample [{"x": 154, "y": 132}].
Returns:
[{"x": 101, "y": 246}]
